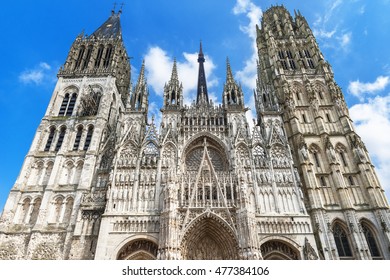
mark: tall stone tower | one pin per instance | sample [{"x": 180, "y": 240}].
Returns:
[
  {"x": 102, "y": 182},
  {"x": 342, "y": 192},
  {"x": 54, "y": 208}
]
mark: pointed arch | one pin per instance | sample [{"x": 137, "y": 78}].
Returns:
[
  {"x": 342, "y": 240},
  {"x": 138, "y": 249},
  {"x": 279, "y": 249},
  {"x": 370, "y": 234},
  {"x": 35, "y": 210},
  {"x": 209, "y": 237},
  {"x": 50, "y": 138},
  {"x": 169, "y": 154}
]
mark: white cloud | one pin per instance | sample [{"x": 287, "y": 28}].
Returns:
[
  {"x": 372, "y": 122},
  {"x": 247, "y": 76},
  {"x": 362, "y": 10},
  {"x": 324, "y": 34},
  {"x": 159, "y": 68},
  {"x": 357, "y": 88},
  {"x": 36, "y": 75},
  {"x": 345, "y": 40},
  {"x": 327, "y": 27}
]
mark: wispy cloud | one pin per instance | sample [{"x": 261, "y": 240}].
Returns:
[
  {"x": 328, "y": 27},
  {"x": 358, "y": 88},
  {"x": 247, "y": 75},
  {"x": 372, "y": 123},
  {"x": 36, "y": 75},
  {"x": 345, "y": 40}
]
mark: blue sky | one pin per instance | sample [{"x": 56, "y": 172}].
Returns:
[{"x": 36, "y": 36}]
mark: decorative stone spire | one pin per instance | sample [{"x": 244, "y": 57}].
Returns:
[
  {"x": 173, "y": 91},
  {"x": 202, "y": 96},
  {"x": 232, "y": 92},
  {"x": 229, "y": 74},
  {"x": 139, "y": 97},
  {"x": 265, "y": 94}
]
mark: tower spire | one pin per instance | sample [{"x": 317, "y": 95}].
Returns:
[
  {"x": 173, "y": 91},
  {"x": 202, "y": 96}
]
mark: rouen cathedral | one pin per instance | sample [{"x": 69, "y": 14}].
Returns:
[{"x": 101, "y": 181}]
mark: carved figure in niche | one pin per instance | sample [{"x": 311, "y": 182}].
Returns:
[
  {"x": 303, "y": 148},
  {"x": 358, "y": 148},
  {"x": 330, "y": 150}
]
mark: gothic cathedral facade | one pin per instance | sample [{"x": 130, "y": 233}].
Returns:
[{"x": 100, "y": 181}]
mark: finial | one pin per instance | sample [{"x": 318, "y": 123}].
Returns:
[
  {"x": 229, "y": 74},
  {"x": 113, "y": 10},
  {"x": 120, "y": 10}
]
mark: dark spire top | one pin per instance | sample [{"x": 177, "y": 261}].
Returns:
[
  {"x": 202, "y": 95},
  {"x": 111, "y": 28}
]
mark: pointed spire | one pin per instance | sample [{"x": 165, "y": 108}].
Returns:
[
  {"x": 141, "y": 78},
  {"x": 140, "y": 94},
  {"x": 174, "y": 75},
  {"x": 202, "y": 96},
  {"x": 111, "y": 28},
  {"x": 232, "y": 92},
  {"x": 173, "y": 90},
  {"x": 229, "y": 74}
]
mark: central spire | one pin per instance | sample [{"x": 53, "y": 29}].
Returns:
[{"x": 202, "y": 96}]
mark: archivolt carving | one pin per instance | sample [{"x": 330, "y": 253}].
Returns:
[
  {"x": 209, "y": 238},
  {"x": 277, "y": 250},
  {"x": 138, "y": 250}
]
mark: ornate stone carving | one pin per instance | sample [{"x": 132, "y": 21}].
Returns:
[{"x": 308, "y": 251}]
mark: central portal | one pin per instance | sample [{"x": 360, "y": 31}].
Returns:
[{"x": 209, "y": 239}]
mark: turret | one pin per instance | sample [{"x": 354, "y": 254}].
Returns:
[
  {"x": 233, "y": 96},
  {"x": 173, "y": 91}
]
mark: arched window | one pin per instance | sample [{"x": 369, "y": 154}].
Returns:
[
  {"x": 57, "y": 209},
  {"x": 87, "y": 57},
  {"x": 68, "y": 210},
  {"x": 78, "y": 138},
  {"x": 342, "y": 242},
  {"x": 67, "y": 105},
  {"x": 316, "y": 159},
  {"x": 25, "y": 207},
  {"x": 99, "y": 56},
  {"x": 35, "y": 211},
  {"x": 72, "y": 102},
  {"x": 351, "y": 181},
  {"x": 60, "y": 139},
  {"x": 173, "y": 98},
  {"x": 79, "y": 57},
  {"x": 342, "y": 157},
  {"x": 64, "y": 105},
  {"x": 50, "y": 139},
  {"x": 323, "y": 182},
  {"x": 88, "y": 138},
  {"x": 107, "y": 57},
  {"x": 371, "y": 242}
]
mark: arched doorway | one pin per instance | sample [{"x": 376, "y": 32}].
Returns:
[
  {"x": 139, "y": 249},
  {"x": 278, "y": 250},
  {"x": 209, "y": 238}
]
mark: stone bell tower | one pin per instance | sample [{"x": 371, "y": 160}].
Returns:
[
  {"x": 54, "y": 208},
  {"x": 342, "y": 192}
]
